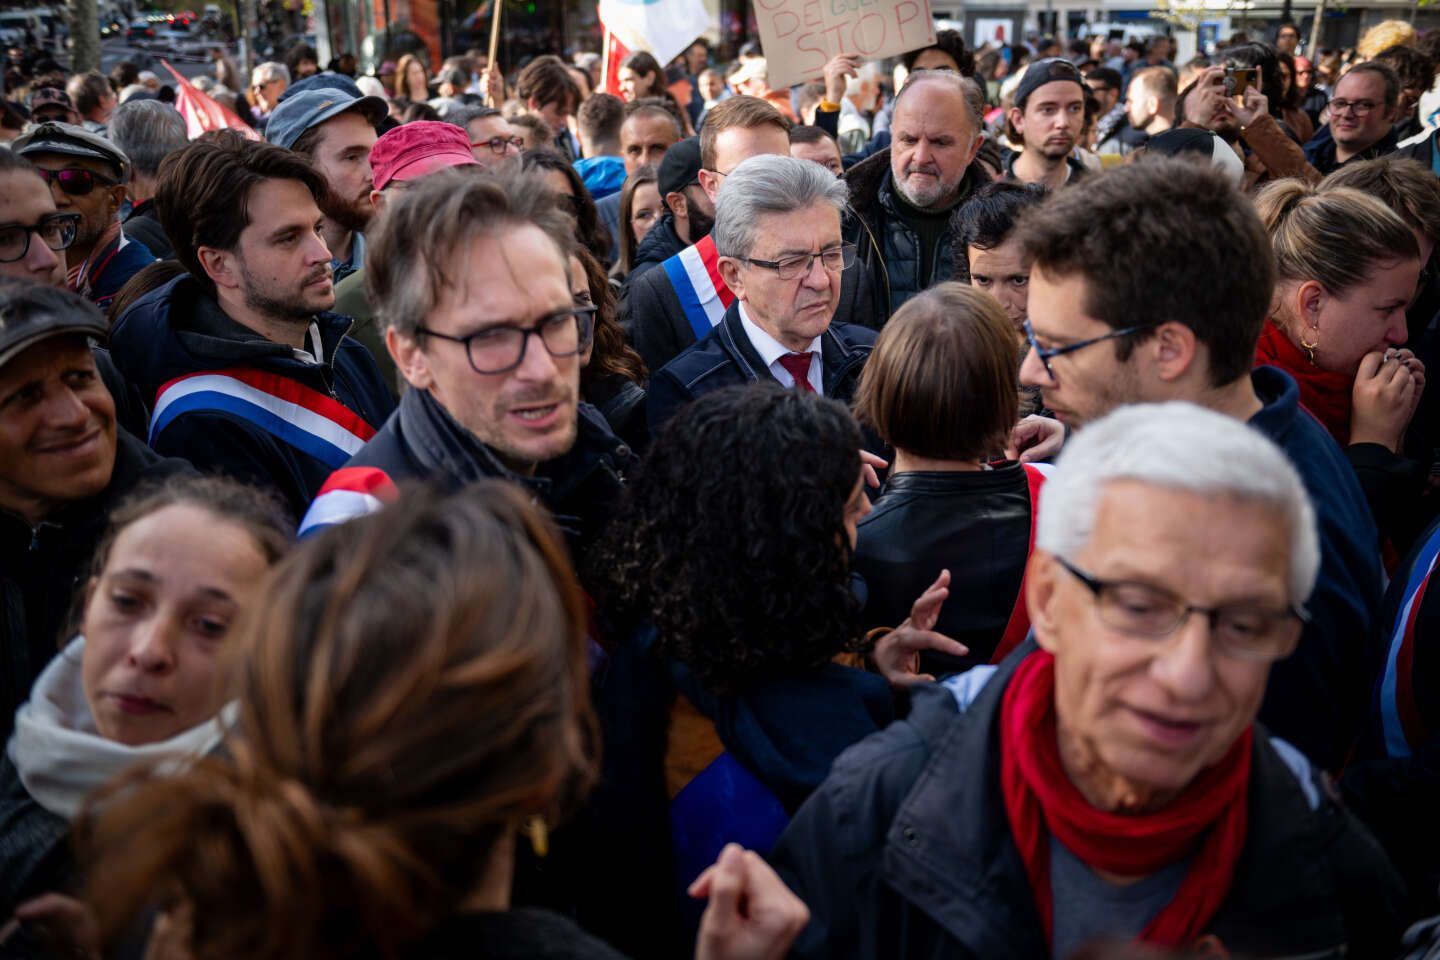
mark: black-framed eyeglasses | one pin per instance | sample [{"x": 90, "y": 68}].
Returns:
[
  {"x": 1244, "y": 631},
  {"x": 498, "y": 145},
  {"x": 501, "y": 349},
  {"x": 1361, "y": 108},
  {"x": 833, "y": 259},
  {"x": 76, "y": 181},
  {"x": 56, "y": 230},
  {"x": 1046, "y": 354}
]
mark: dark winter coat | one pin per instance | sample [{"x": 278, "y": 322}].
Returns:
[
  {"x": 906, "y": 850},
  {"x": 887, "y": 246},
  {"x": 179, "y": 330},
  {"x": 726, "y": 358}
]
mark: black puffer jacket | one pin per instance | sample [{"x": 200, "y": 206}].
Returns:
[{"x": 888, "y": 246}]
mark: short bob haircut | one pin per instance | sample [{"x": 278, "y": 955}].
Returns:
[{"x": 941, "y": 382}]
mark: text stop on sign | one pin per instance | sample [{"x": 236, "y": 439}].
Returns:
[{"x": 799, "y": 36}]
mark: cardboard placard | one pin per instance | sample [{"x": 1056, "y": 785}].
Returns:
[{"x": 800, "y": 36}]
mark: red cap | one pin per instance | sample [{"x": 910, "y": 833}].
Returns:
[{"x": 414, "y": 149}]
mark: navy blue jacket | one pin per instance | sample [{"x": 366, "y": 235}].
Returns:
[
  {"x": 179, "y": 330},
  {"x": 421, "y": 442},
  {"x": 725, "y": 358},
  {"x": 1320, "y": 150},
  {"x": 906, "y": 849},
  {"x": 1317, "y": 698}
]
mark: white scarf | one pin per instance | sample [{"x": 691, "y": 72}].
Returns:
[{"x": 59, "y": 754}]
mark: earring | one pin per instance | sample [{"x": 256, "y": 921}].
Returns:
[
  {"x": 539, "y": 835},
  {"x": 1309, "y": 349}
]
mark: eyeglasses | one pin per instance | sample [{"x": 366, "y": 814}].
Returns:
[
  {"x": 1361, "y": 108},
  {"x": 498, "y": 145},
  {"x": 501, "y": 349},
  {"x": 1046, "y": 354},
  {"x": 1242, "y": 631},
  {"x": 76, "y": 181},
  {"x": 57, "y": 231},
  {"x": 833, "y": 259}
]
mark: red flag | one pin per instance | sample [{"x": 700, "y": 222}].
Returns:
[
  {"x": 616, "y": 54},
  {"x": 202, "y": 112}
]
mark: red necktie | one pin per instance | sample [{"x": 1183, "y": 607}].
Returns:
[{"x": 798, "y": 366}]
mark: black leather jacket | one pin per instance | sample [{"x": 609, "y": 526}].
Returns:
[{"x": 974, "y": 524}]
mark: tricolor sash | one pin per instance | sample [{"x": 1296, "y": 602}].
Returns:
[
  {"x": 1400, "y": 719},
  {"x": 695, "y": 274},
  {"x": 310, "y": 421},
  {"x": 350, "y": 492}
]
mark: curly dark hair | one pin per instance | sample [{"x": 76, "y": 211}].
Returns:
[
  {"x": 613, "y": 355},
  {"x": 588, "y": 229},
  {"x": 952, "y": 44},
  {"x": 731, "y": 538}
]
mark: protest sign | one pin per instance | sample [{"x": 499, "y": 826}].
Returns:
[{"x": 799, "y": 36}]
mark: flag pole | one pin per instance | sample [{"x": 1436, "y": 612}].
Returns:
[
  {"x": 605, "y": 62},
  {"x": 496, "y": 97}
]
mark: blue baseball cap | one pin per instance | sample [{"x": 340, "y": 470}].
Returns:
[
  {"x": 328, "y": 80},
  {"x": 299, "y": 113}
]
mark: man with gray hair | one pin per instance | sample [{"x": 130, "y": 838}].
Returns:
[
  {"x": 904, "y": 195},
  {"x": 1108, "y": 779},
  {"x": 777, "y": 233},
  {"x": 268, "y": 82},
  {"x": 146, "y": 131}
]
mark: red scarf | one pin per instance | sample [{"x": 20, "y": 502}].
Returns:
[
  {"x": 1208, "y": 821},
  {"x": 1325, "y": 394}
]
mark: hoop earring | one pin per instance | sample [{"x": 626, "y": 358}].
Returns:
[
  {"x": 1309, "y": 349},
  {"x": 539, "y": 835}
]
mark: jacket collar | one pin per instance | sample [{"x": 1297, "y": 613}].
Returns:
[
  {"x": 207, "y": 331},
  {"x": 836, "y": 357},
  {"x": 1280, "y": 395},
  {"x": 949, "y": 850},
  {"x": 444, "y": 448}
]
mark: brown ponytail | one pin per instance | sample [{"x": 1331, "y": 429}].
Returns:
[{"x": 413, "y": 686}]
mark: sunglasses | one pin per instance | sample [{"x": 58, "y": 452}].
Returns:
[{"x": 77, "y": 182}]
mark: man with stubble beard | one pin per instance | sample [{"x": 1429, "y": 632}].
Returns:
[
  {"x": 1048, "y": 114},
  {"x": 247, "y": 372},
  {"x": 335, "y": 130}
]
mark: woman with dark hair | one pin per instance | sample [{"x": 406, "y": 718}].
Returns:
[
  {"x": 640, "y": 209},
  {"x": 140, "y": 680},
  {"x": 412, "y": 79},
  {"x": 941, "y": 389},
  {"x": 1292, "y": 106},
  {"x": 559, "y": 177},
  {"x": 613, "y": 375},
  {"x": 641, "y": 76},
  {"x": 1266, "y": 59},
  {"x": 413, "y": 697},
  {"x": 731, "y": 561}
]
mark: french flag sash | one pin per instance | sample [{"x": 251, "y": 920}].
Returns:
[
  {"x": 695, "y": 274},
  {"x": 310, "y": 421},
  {"x": 349, "y": 493},
  {"x": 1400, "y": 719}
]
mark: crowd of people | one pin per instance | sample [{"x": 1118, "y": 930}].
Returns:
[{"x": 977, "y": 505}]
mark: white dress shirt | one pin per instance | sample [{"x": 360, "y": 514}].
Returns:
[{"x": 771, "y": 350}]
